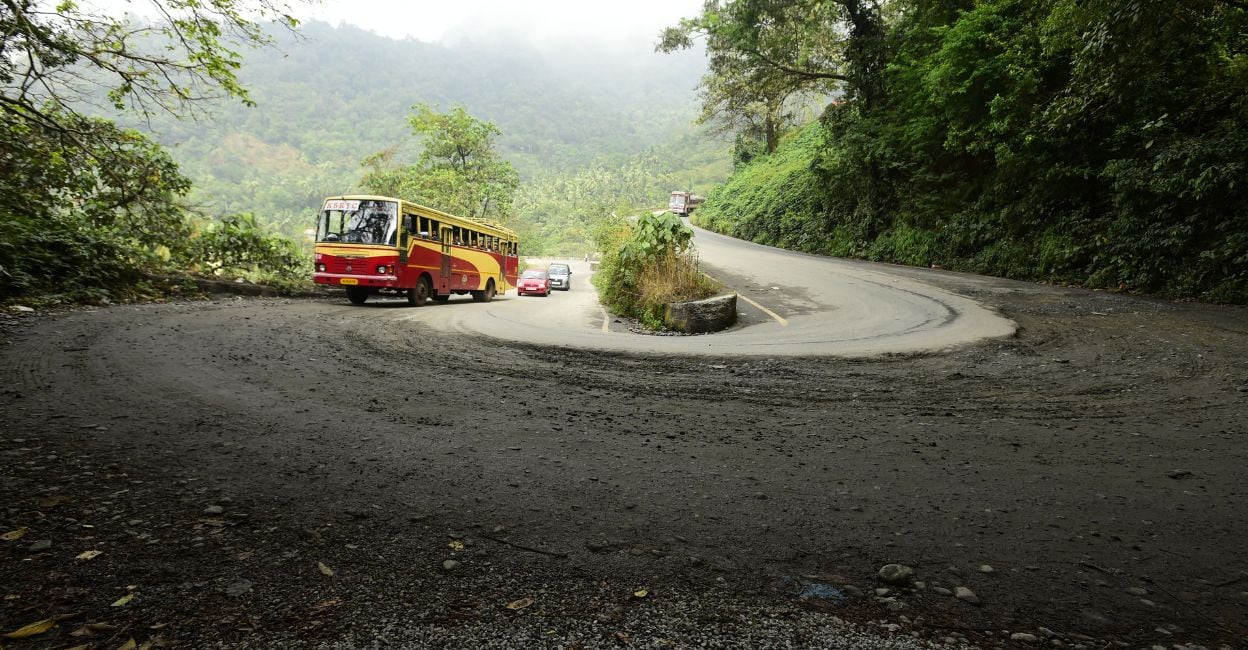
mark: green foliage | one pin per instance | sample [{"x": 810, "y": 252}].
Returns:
[
  {"x": 238, "y": 245},
  {"x": 1029, "y": 140},
  {"x": 557, "y": 211},
  {"x": 648, "y": 265},
  {"x": 165, "y": 65},
  {"x": 656, "y": 235},
  {"x": 774, "y": 200},
  {"x": 83, "y": 217},
  {"x": 329, "y": 98},
  {"x": 459, "y": 170},
  {"x": 86, "y": 218}
]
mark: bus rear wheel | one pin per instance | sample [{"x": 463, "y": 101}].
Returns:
[
  {"x": 357, "y": 295},
  {"x": 486, "y": 294},
  {"x": 416, "y": 296}
]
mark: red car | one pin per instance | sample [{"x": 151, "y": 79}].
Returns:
[{"x": 533, "y": 281}]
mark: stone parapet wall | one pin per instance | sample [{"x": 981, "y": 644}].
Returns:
[{"x": 701, "y": 316}]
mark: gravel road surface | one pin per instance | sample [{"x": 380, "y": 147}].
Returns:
[{"x": 280, "y": 473}]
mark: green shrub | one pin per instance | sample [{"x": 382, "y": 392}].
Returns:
[
  {"x": 238, "y": 245},
  {"x": 646, "y": 266}
]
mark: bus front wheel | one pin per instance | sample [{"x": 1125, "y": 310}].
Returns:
[
  {"x": 357, "y": 295},
  {"x": 416, "y": 296}
]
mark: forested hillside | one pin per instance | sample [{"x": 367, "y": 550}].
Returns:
[
  {"x": 1090, "y": 142},
  {"x": 332, "y": 96}
]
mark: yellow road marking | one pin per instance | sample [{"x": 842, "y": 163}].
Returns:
[{"x": 779, "y": 319}]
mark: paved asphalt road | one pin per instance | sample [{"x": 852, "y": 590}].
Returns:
[{"x": 791, "y": 304}]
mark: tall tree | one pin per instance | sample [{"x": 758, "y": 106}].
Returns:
[
  {"x": 459, "y": 169},
  {"x": 86, "y": 206},
  {"x": 57, "y": 57},
  {"x": 764, "y": 52}
]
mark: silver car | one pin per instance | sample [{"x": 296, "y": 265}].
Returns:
[{"x": 560, "y": 276}]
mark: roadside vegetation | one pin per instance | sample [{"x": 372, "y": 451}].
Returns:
[
  {"x": 90, "y": 211},
  {"x": 96, "y": 209},
  {"x": 646, "y": 265},
  {"x": 1095, "y": 143}
]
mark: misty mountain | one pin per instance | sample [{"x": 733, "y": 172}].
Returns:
[{"x": 331, "y": 96}]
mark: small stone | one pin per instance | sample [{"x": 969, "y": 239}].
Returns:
[
  {"x": 225, "y": 501},
  {"x": 40, "y": 546},
  {"x": 919, "y": 584},
  {"x": 22, "y": 308},
  {"x": 895, "y": 574},
  {"x": 238, "y": 588},
  {"x": 1137, "y": 591},
  {"x": 595, "y": 547},
  {"x": 882, "y": 591},
  {"x": 942, "y": 591},
  {"x": 1024, "y": 637},
  {"x": 966, "y": 595},
  {"x": 450, "y": 565},
  {"x": 1179, "y": 474},
  {"x": 214, "y": 511},
  {"x": 984, "y": 568}
]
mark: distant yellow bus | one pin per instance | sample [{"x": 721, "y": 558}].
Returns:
[{"x": 372, "y": 245}]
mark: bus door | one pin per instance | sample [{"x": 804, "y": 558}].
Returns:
[{"x": 444, "y": 282}]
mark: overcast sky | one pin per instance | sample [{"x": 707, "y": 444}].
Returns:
[
  {"x": 615, "y": 21},
  {"x": 609, "y": 22}
]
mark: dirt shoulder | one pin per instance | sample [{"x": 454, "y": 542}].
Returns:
[{"x": 295, "y": 472}]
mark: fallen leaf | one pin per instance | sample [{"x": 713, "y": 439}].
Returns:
[
  {"x": 624, "y": 637},
  {"x": 456, "y": 545},
  {"x": 14, "y": 534},
  {"x": 88, "y": 555},
  {"x": 520, "y": 604},
  {"x": 101, "y": 627},
  {"x": 52, "y": 501},
  {"x": 31, "y": 630},
  {"x": 324, "y": 569},
  {"x": 124, "y": 600},
  {"x": 640, "y": 593},
  {"x": 129, "y": 645}
]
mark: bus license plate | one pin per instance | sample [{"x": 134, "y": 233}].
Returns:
[{"x": 348, "y": 281}]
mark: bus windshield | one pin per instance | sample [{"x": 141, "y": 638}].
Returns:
[{"x": 358, "y": 222}]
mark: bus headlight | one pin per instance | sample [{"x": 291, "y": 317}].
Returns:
[
  {"x": 320, "y": 268},
  {"x": 383, "y": 269}
]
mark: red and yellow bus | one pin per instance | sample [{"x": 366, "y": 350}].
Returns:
[{"x": 372, "y": 245}]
